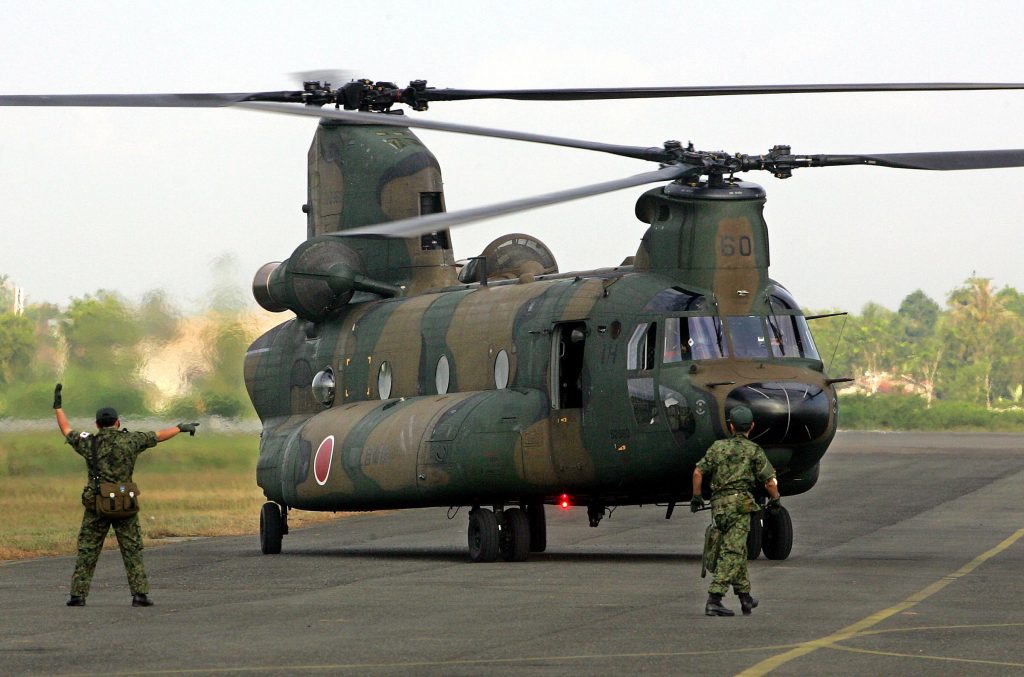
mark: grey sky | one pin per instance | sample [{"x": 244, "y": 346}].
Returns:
[{"x": 137, "y": 199}]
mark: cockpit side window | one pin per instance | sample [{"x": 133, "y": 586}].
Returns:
[
  {"x": 642, "y": 347},
  {"x": 677, "y": 346},
  {"x": 792, "y": 337}
]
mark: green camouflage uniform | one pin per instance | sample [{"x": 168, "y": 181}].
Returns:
[
  {"x": 735, "y": 465},
  {"x": 116, "y": 452}
]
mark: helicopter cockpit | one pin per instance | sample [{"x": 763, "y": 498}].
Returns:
[{"x": 781, "y": 333}]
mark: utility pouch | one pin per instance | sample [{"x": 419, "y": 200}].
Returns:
[
  {"x": 117, "y": 500},
  {"x": 112, "y": 500}
]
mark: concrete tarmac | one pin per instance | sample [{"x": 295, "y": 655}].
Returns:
[{"x": 908, "y": 560}]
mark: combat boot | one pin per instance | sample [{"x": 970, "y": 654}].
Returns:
[
  {"x": 76, "y": 600},
  {"x": 140, "y": 599},
  {"x": 747, "y": 603},
  {"x": 714, "y": 607}
]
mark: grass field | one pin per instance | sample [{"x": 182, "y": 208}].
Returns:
[{"x": 200, "y": 486}]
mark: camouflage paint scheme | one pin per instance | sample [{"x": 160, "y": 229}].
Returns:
[{"x": 578, "y": 415}]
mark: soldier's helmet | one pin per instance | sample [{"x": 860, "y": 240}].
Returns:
[
  {"x": 741, "y": 417},
  {"x": 106, "y": 417}
]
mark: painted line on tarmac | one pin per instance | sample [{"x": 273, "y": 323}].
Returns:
[
  {"x": 951, "y": 659},
  {"x": 926, "y": 628},
  {"x": 432, "y": 664},
  {"x": 769, "y": 664}
]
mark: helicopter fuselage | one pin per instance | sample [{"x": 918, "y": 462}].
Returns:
[{"x": 605, "y": 387}]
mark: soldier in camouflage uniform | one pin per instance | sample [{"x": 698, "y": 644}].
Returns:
[
  {"x": 115, "y": 454},
  {"x": 735, "y": 465}
]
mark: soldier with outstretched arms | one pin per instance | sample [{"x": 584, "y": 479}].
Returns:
[{"x": 110, "y": 455}]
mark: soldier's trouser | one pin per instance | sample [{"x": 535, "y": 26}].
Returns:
[
  {"x": 90, "y": 543},
  {"x": 732, "y": 558}
]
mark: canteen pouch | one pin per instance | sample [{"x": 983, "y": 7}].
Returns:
[
  {"x": 117, "y": 500},
  {"x": 712, "y": 547}
]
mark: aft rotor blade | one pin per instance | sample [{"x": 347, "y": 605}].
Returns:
[
  {"x": 433, "y": 222},
  {"x": 638, "y": 152},
  {"x": 145, "y": 100},
  {"x": 940, "y": 160},
  {"x": 577, "y": 94}
]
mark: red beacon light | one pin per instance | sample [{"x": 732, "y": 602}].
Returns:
[{"x": 563, "y": 501}]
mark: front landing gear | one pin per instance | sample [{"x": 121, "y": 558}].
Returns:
[
  {"x": 755, "y": 537},
  {"x": 273, "y": 527},
  {"x": 778, "y": 533}
]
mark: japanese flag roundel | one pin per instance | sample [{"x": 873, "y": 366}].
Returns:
[{"x": 322, "y": 460}]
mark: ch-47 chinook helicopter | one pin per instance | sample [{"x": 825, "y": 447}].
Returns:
[{"x": 403, "y": 381}]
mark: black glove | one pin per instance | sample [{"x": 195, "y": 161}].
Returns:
[
  {"x": 696, "y": 503},
  {"x": 773, "y": 504},
  {"x": 56, "y": 396},
  {"x": 189, "y": 428}
]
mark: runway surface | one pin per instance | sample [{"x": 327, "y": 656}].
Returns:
[{"x": 908, "y": 560}]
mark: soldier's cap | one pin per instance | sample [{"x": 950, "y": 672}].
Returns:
[
  {"x": 741, "y": 416},
  {"x": 106, "y": 417}
]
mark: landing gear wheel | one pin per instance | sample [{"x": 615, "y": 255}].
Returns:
[
  {"x": 483, "y": 535},
  {"x": 538, "y": 526},
  {"x": 778, "y": 533},
  {"x": 514, "y": 544},
  {"x": 755, "y": 537},
  {"x": 271, "y": 528}
]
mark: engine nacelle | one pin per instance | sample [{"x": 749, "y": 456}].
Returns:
[
  {"x": 316, "y": 281},
  {"x": 508, "y": 257}
]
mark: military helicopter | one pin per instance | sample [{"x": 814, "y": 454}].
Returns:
[{"x": 405, "y": 380}]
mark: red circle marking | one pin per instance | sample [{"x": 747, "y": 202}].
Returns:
[{"x": 322, "y": 460}]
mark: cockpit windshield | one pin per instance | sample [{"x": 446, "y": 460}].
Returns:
[
  {"x": 774, "y": 336},
  {"x": 748, "y": 336},
  {"x": 751, "y": 336},
  {"x": 694, "y": 338}
]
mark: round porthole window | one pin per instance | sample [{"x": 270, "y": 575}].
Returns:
[
  {"x": 324, "y": 387},
  {"x": 384, "y": 381},
  {"x": 501, "y": 370},
  {"x": 442, "y": 375}
]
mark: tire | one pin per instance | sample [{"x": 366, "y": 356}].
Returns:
[
  {"x": 778, "y": 533},
  {"x": 755, "y": 538},
  {"x": 538, "y": 526},
  {"x": 514, "y": 545},
  {"x": 271, "y": 528},
  {"x": 483, "y": 535}
]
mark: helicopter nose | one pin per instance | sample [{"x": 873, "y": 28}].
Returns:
[{"x": 784, "y": 412}]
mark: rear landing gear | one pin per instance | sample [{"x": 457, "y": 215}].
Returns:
[
  {"x": 511, "y": 533},
  {"x": 538, "y": 526},
  {"x": 273, "y": 527},
  {"x": 514, "y": 544},
  {"x": 483, "y": 535}
]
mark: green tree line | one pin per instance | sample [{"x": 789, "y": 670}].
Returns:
[
  {"x": 98, "y": 347},
  {"x": 963, "y": 360}
]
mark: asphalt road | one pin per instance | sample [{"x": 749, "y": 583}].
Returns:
[{"x": 908, "y": 559}]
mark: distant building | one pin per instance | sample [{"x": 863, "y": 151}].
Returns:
[{"x": 12, "y": 298}]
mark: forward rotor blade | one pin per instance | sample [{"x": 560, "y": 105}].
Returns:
[
  {"x": 638, "y": 152},
  {"x": 145, "y": 100},
  {"x": 433, "y": 222},
  {"x": 940, "y": 160},
  {"x": 736, "y": 90}
]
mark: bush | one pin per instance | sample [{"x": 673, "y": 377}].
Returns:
[{"x": 909, "y": 412}]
